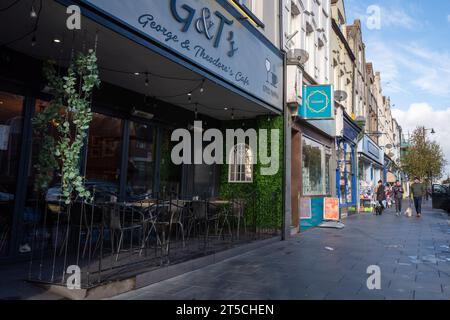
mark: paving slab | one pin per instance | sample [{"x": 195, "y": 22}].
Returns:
[{"x": 411, "y": 253}]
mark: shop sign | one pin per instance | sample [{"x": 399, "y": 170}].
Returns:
[
  {"x": 373, "y": 149},
  {"x": 331, "y": 209},
  {"x": 317, "y": 102},
  {"x": 350, "y": 132},
  {"x": 209, "y": 36},
  {"x": 305, "y": 208}
]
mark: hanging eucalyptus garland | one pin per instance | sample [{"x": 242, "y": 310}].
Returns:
[{"x": 70, "y": 112}]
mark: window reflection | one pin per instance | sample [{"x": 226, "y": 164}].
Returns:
[
  {"x": 11, "y": 107},
  {"x": 141, "y": 159},
  {"x": 103, "y": 155}
]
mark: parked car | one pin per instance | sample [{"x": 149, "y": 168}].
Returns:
[
  {"x": 104, "y": 192},
  {"x": 441, "y": 197}
]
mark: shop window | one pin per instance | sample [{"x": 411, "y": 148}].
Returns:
[
  {"x": 316, "y": 168},
  {"x": 241, "y": 164},
  {"x": 170, "y": 174},
  {"x": 11, "y": 109},
  {"x": 347, "y": 172},
  {"x": 141, "y": 159},
  {"x": 104, "y": 153}
]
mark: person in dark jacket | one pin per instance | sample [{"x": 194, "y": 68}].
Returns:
[
  {"x": 398, "y": 192},
  {"x": 417, "y": 193},
  {"x": 380, "y": 194}
]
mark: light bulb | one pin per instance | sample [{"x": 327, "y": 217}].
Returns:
[{"x": 33, "y": 13}]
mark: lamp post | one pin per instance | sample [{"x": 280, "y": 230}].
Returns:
[{"x": 430, "y": 173}]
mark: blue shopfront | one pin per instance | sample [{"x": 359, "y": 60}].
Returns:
[
  {"x": 346, "y": 169},
  {"x": 371, "y": 164},
  {"x": 313, "y": 136}
]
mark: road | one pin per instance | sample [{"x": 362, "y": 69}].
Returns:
[{"x": 413, "y": 255}]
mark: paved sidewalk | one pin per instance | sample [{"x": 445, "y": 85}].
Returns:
[{"x": 413, "y": 254}]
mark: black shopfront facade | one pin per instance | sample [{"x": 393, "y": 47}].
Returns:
[{"x": 126, "y": 151}]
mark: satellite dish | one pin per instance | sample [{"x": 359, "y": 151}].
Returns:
[
  {"x": 389, "y": 146},
  {"x": 340, "y": 95},
  {"x": 297, "y": 56}
]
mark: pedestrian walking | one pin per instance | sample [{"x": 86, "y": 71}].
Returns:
[
  {"x": 380, "y": 194},
  {"x": 398, "y": 193},
  {"x": 417, "y": 193}
]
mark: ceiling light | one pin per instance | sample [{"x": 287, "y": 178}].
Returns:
[
  {"x": 202, "y": 88},
  {"x": 33, "y": 13},
  {"x": 56, "y": 40},
  {"x": 136, "y": 73}
]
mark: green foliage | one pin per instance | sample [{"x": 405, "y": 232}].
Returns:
[
  {"x": 424, "y": 158},
  {"x": 71, "y": 113},
  {"x": 263, "y": 196}
]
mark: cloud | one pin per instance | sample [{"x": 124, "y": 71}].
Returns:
[
  {"x": 423, "y": 114},
  {"x": 433, "y": 68},
  {"x": 410, "y": 65},
  {"x": 390, "y": 17}
]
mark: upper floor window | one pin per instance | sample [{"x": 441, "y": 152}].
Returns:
[
  {"x": 241, "y": 164},
  {"x": 254, "y": 9}
]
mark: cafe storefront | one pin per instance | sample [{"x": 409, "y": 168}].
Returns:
[{"x": 162, "y": 67}]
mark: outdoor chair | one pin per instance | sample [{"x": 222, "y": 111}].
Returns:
[{"x": 124, "y": 219}]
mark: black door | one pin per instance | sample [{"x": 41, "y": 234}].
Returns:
[{"x": 440, "y": 197}]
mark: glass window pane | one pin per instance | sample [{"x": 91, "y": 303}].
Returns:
[
  {"x": 103, "y": 156},
  {"x": 141, "y": 159},
  {"x": 11, "y": 108},
  {"x": 170, "y": 174},
  {"x": 313, "y": 168}
]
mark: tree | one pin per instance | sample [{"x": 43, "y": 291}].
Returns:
[{"x": 424, "y": 158}]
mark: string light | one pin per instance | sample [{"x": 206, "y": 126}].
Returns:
[
  {"x": 33, "y": 13},
  {"x": 147, "y": 81},
  {"x": 202, "y": 88},
  {"x": 33, "y": 40}
]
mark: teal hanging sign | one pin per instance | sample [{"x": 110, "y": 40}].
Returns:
[{"x": 318, "y": 103}]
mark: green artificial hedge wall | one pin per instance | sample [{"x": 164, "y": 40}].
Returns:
[{"x": 264, "y": 197}]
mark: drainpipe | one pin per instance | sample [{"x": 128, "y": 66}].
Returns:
[{"x": 287, "y": 216}]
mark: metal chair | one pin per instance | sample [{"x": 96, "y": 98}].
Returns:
[{"x": 123, "y": 219}]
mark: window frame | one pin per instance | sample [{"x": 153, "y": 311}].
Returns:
[{"x": 232, "y": 165}]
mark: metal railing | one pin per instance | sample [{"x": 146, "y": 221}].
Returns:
[{"x": 110, "y": 241}]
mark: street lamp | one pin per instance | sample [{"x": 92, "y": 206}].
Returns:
[{"x": 431, "y": 131}]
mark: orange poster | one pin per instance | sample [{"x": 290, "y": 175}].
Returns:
[{"x": 331, "y": 209}]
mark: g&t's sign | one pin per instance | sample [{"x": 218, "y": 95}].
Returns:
[
  {"x": 208, "y": 35},
  {"x": 317, "y": 102}
]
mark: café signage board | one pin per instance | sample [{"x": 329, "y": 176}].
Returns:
[
  {"x": 317, "y": 102},
  {"x": 208, "y": 35},
  {"x": 331, "y": 209}
]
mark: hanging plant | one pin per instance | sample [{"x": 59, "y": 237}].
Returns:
[
  {"x": 70, "y": 111},
  {"x": 44, "y": 123}
]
